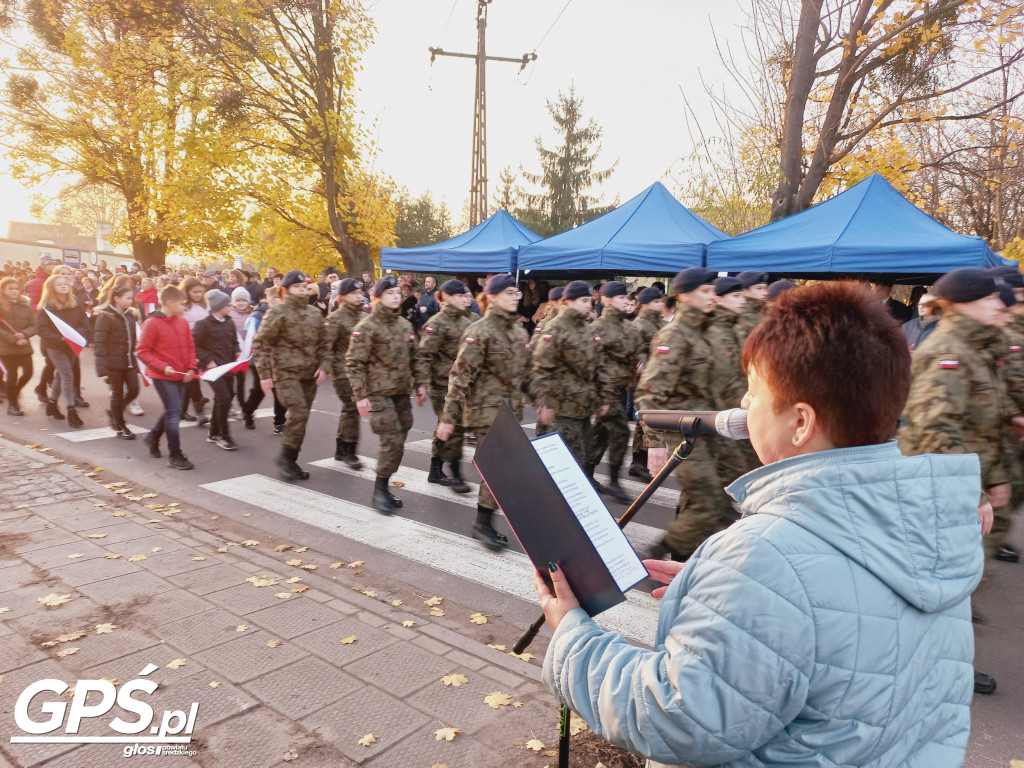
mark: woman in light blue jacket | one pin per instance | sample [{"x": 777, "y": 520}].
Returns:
[{"x": 831, "y": 625}]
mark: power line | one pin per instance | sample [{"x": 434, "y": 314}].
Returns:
[
  {"x": 552, "y": 25},
  {"x": 449, "y": 21}
]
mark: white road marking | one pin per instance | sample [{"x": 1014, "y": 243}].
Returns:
[
  {"x": 641, "y": 536},
  {"x": 664, "y": 496},
  {"x": 509, "y": 572},
  {"x": 101, "y": 433}
]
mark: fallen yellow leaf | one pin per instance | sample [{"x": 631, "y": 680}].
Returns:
[
  {"x": 112, "y": 556},
  {"x": 247, "y": 514},
  {"x": 293, "y": 580},
  {"x": 300, "y": 589},
  {"x": 496, "y": 647},
  {"x": 262, "y": 581},
  {"x": 66, "y": 652},
  {"x": 294, "y": 561},
  {"x": 308, "y": 567},
  {"x": 250, "y": 543},
  {"x": 536, "y": 745},
  {"x": 455, "y": 679},
  {"x": 408, "y": 623},
  {"x": 198, "y": 559},
  {"x": 215, "y": 517},
  {"x": 398, "y": 484},
  {"x": 517, "y": 705},
  {"x": 348, "y": 640},
  {"x": 369, "y": 593},
  {"x": 242, "y": 628},
  {"x": 282, "y": 547},
  {"x": 355, "y": 563},
  {"x": 136, "y": 558},
  {"x": 290, "y": 755},
  {"x": 396, "y": 603},
  {"x": 283, "y": 595},
  {"x": 521, "y": 656},
  {"x": 119, "y": 513},
  {"x": 367, "y": 740},
  {"x": 497, "y": 699},
  {"x": 177, "y": 663},
  {"x": 273, "y": 643},
  {"x": 4, "y": 609},
  {"x": 105, "y": 629},
  {"x": 446, "y": 734},
  {"x": 214, "y": 684},
  {"x": 435, "y": 600},
  {"x": 222, "y": 549},
  {"x": 97, "y": 535},
  {"x": 157, "y": 549},
  {"x": 52, "y": 600},
  {"x": 337, "y": 565},
  {"x": 72, "y": 636},
  {"x": 577, "y": 724},
  {"x": 478, "y": 618},
  {"x": 436, "y": 612},
  {"x": 301, "y": 549},
  {"x": 75, "y": 556}
]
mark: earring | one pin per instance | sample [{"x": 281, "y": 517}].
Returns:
[{"x": 796, "y": 439}]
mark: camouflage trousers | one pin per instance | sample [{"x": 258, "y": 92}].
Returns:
[
  {"x": 730, "y": 461},
  {"x": 296, "y": 395},
  {"x": 348, "y": 421},
  {"x": 577, "y": 434},
  {"x": 390, "y": 420},
  {"x": 483, "y": 497},
  {"x": 611, "y": 433},
  {"x": 450, "y": 449},
  {"x": 703, "y": 508},
  {"x": 1002, "y": 517}
]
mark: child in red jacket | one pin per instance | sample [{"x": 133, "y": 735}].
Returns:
[{"x": 167, "y": 350}]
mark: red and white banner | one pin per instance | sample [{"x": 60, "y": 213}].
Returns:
[
  {"x": 212, "y": 374},
  {"x": 74, "y": 339}
]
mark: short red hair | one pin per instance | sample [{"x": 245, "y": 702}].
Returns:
[{"x": 834, "y": 346}]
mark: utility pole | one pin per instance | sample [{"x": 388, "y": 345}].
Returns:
[{"x": 478, "y": 181}]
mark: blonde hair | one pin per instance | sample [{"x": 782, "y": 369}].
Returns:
[
  {"x": 50, "y": 299},
  {"x": 186, "y": 286}
]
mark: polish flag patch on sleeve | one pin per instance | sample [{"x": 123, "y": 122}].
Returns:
[
  {"x": 527, "y": 345},
  {"x": 412, "y": 337},
  {"x": 1015, "y": 347},
  {"x": 949, "y": 363},
  {"x": 470, "y": 340},
  {"x": 597, "y": 338},
  {"x": 546, "y": 337},
  {"x": 428, "y": 329},
  {"x": 356, "y": 334},
  {"x": 663, "y": 350}
]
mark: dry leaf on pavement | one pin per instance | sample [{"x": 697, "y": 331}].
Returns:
[
  {"x": 436, "y": 612},
  {"x": 199, "y": 559},
  {"x": 348, "y": 640},
  {"x": 214, "y": 684},
  {"x": 521, "y": 656},
  {"x": 302, "y": 549},
  {"x": 355, "y": 563},
  {"x": 300, "y": 589},
  {"x": 282, "y": 547},
  {"x": 496, "y": 647},
  {"x": 250, "y": 543},
  {"x": 396, "y": 603},
  {"x": 72, "y": 636},
  {"x": 293, "y": 580},
  {"x": 455, "y": 679},
  {"x": 369, "y": 593},
  {"x": 367, "y": 740},
  {"x": 577, "y": 724},
  {"x": 478, "y": 618},
  {"x": 177, "y": 663},
  {"x": 136, "y": 558},
  {"x": 517, "y": 705},
  {"x": 66, "y": 652},
  {"x": 4, "y": 609},
  {"x": 290, "y": 755},
  {"x": 273, "y": 643},
  {"x": 294, "y": 561},
  {"x": 157, "y": 549},
  {"x": 262, "y": 581},
  {"x": 242, "y": 628},
  {"x": 535, "y": 745},
  {"x": 105, "y": 629},
  {"x": 283, "y": 595},
  {"x": 446, "y": 734},
  {"x": 97, "y": 535},
  {"x": 112, "y": 556},
  {"x": 408, "y": 623},
  {"x": 439, "y": 765},
  {"x": 497, "y": 699},
  {"x": 75, "y": 556},
  {"x": 52, "y": 600},
  {"x": 247, "y": 514},
  {"x": 337, "y": 565},
  {"x": 435, "y": 600},
  {"x": 222, "y": 549}
]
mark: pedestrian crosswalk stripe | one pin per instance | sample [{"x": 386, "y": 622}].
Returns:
[
  {"x": 664, "y": 496},
  {"x": 509, "y": 572},
  {"x": 641, "y": 536}
]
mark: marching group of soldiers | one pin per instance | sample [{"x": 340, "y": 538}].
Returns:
[{"x": 576, "y": 372}]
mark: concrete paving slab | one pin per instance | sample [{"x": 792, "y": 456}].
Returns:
[
  {"x": 203, "y": 581},
  {"x": 170, "y": 605},
  {"x": 245, "y": 598},
  {"x": 326, "y": 644},
  {"x": 248, "y": 657},
  {"x": 79, "y": 572},
  {"x": 422, "y": 748},
  {"x": 200, "y": 631},
  {"x": 306, "y": 686},
  {"x": 123, "y": 589},
  {"x": 399, "y": 669},
  {"x": 294, "y": 617},
  {"x": 175, "y": 561}
]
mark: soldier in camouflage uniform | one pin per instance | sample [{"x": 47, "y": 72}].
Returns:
[
  {"x": 382, "y": 369},
  {"x": 338, "y": 328},
  {"x": 755, "y": 288},
  {"x": 492, "y": 365},
  {"x": 290, "y": 344},
  {"x": 439, "y": 344},
  {"x": 619, "y": 356},
  {"x": 649, "y": 321},
  {"x": 735, "y": 457},
  {"x": 566, "y": 376},
  {"x": 678, "y": 375},
  {"x": 555, "y": 306}
]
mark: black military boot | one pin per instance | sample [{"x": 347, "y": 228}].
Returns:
[
  {"x": 288, "y": 465},
  {"x": 613, "y": 488},
  {"x": 436, "y": 473},
  {"x": 638, "y": 468},
  {"x": 484, "y": 532},
  {"x": 455, "y": 481},
  {"x": 984, "y": 684},
  {"x": 588, "y": 470},
  {"x": 345, "y": 452},
  {"x": 382, "y": 498}
]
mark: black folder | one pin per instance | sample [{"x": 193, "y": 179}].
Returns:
[{"x": 539, "y": 514}]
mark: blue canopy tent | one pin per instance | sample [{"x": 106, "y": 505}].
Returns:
[
  {"x": 870, "y": 229},
  {"x": 490, "y": 246},
  {"x": 652, "y": 234}
]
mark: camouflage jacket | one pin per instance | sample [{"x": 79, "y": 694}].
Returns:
[
  {"x": 619, "y": 353},
  {"x": 678, "y": 373},
  {"x": 1013, "y": 372},
  {"x": 565, "y": 367},
  {"x": 751, "y": 315},
  {"x": 381, "y": 355},
  {"x": 957, "y": 402},
  {"x": 290, "y": 342},
  {"x": 648, "y": 322},
  {"x": 439, "y": 344},
  {"x": 492, "y": 365},
  {"x": 539, "y": 328},
  {"x": 729, "y": 383},
  {"x": 338, "y": 328}
]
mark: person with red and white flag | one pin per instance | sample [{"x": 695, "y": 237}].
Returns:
[
  {"x": 62, "y": 325},
  {"x": 115, "y": 334},
  {"x": 217, "y": 350}
]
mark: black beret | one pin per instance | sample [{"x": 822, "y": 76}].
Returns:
[
  {"x": 555, "y": 294},
  {"x": 348, "y": 285},
  {"x": 499, "y": 283},
  {"x": 453, "y": 287},
  {"x": 965, "y": 285},
  {"x": 724, "y": 285},
  {"x": 293, "y": 277},
  {"x": 385, "y": 283},
  {"x": 577, "y": 289},
  {"x": 691, "y": 279},
  {"x": 778, "y": 288},
  {"x": 1011, "y": 275},
  {"x": 613, "y": 288},
  {"x": 647, "y": 295},
  {"x": 1006, "y": 295},
  {"x": 752, "y": 277}
]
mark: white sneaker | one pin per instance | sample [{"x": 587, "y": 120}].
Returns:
[
  {"x": 234, "y": 413},
  {"x": 135, "y": 409}
]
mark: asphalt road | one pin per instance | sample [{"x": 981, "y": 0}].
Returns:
[{"x": 427, "y": 545}]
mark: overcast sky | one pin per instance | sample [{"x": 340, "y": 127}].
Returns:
[{"x": 627, "y": 60}]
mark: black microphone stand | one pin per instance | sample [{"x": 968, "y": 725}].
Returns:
[{"x": 684, "y": 449}]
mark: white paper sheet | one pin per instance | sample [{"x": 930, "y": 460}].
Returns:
[{"x": 609, "y": 540}]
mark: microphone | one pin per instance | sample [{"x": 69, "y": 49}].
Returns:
[{"x": 731, "y": 423}]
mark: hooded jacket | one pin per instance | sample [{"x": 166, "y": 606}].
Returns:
[
  {"x": 114, "y": 340},
  {"x": 167, "y": 341},
  {"x": 830, "y": 626},
  {"x": 17, "y": 315}
]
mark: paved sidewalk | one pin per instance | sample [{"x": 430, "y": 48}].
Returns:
[{"x": 290, "y": 662}]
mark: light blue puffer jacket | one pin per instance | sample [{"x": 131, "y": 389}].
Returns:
[{"x": 830, "y": 626}]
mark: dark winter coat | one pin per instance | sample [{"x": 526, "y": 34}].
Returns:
[
  {"x": 51, "y": 337},
  {"x": 167, "y": 341},
  {"x": 114, "y": 339},
  {"x": 216, "y": 341},
  {"x": 19, "y": 316}
]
